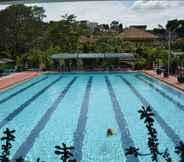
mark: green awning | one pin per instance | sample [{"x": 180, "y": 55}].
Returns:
[
  {"x": 65, "y": 56},
  {"x": 122, "y": 56},
  {"x": 91, "y": 55},
  {"x": 5, "y": 60}
]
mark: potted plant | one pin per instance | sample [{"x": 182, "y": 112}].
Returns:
[
  {"x": 1, "y": 72},
  {"x": 166, "y": 74},
  {"x": 158, "y": 71},
  {"x": 180, "y": 78}
]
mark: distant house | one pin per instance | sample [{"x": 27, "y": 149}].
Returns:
[
  {"x": 92, "y": 26},
  {"x": 138, "y": 35},
  {"x": 84, "y": 22},
  {"x": 114, "y": 26},
  {"x": 143, "y": 27},
  {"x": 103, "y": 28}
]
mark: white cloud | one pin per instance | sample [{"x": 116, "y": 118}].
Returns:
[
  {"x": 139, "y": 12},
  {"x": 154, "y": 12},
  {"x": 104, "y": 11},
  {"x": 155, "y": 4}
]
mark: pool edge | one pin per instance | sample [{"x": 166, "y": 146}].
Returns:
[
  {"x": 164, "y": 82},
  {"x": 19, "y": 82}
]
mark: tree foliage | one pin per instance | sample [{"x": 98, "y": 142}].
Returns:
[
  {"x": 20, "y": 28},
  {"x": 64, "y": 152},
  {"x": 147, "y": 115},
  {"x": 66, "y": 32},
  {"x": 27, "y": 39},
  {"x": 8, "y": 138}
]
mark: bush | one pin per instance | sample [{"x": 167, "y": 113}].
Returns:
[{"x": 140, "y": 64}]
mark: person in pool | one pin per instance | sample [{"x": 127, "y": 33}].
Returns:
[{"x": 109, "y": 132}]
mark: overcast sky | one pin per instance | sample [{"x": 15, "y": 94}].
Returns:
[{"x": 134, "y": 12}]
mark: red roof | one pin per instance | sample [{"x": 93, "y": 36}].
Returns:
[
  {"x": 87, "y": 39},
  {"x": 135, "y": 34}
]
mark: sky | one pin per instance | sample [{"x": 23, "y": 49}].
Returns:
[{"x": 132, "y": 12}]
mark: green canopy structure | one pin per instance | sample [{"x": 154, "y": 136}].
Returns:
[
  {"x": 93, "y": 60},
  {"x": 122, "y": 56},
  {"x": 5, "y": 60}
]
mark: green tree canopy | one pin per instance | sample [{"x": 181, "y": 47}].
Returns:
[
  {"x": 66, "y": 32},
  {"x": 20, "y": 28}
]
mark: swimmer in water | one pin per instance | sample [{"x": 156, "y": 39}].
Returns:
[{"x": 109, "y": 132}]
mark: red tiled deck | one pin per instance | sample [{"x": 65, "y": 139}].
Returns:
[
  {"x": 11, "y": 80},
  {"x": 171, "y": 80}
]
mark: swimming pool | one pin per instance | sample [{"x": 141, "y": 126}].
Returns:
[{"x": 78, "y": 108}]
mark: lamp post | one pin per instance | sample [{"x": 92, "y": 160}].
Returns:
[
  {"x": 169, "y": 54},
  {"x": 169, "y": 32}
]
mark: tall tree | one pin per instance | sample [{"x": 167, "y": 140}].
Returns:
[
  {"x": 66, "y": 33},
  {"x": 173, "y": 24},
  {"x": 20, "y": 28}
]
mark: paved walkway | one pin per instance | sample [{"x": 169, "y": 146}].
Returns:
[
  {"x": 11, "y": 80},
  {"x": 171, "y": 80}
]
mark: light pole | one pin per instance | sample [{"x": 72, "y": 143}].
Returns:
[
  {"x": 169, "y": 54},
  {"x": 169, "y": 32}
]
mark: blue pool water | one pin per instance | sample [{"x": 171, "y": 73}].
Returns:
[{"x": 78, "y": 108}]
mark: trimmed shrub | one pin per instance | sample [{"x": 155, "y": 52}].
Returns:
[{"x": 140, "y": 64}]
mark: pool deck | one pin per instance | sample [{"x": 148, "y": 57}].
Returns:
[
  {"x": 171, "y": 80},
  {"x": 13, "y": 79}
]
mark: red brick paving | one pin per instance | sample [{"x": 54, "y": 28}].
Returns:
[
  {"x": 171, "y": 80},
  {"x": 13, "y": 79}
]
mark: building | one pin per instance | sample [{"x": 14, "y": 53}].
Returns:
[
  {"x": 92, "y": 26},
  {"x": 115, "y": 26},
  {"x": 103, "y": 28},
  {"x": 143, "y": 27},
  {"x": 138, "y": 35},
  {"x": 84, "y": 22}
]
